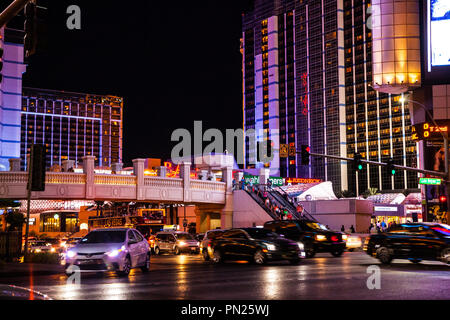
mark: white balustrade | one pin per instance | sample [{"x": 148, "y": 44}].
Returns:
[{"x": 115, "y": 179}]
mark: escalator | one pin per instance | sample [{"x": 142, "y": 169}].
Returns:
[
  {"x": 282, "y": 197},
  {"x": 261, "y": 203}
]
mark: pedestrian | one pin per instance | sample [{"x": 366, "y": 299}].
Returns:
[
  {"x": 289, "y": 216},
  {"x": 269, "y": 183},
  {"x": 352, "y": 229},
  {"x": 343, "y": 228},
  {"x": 383, "y": 225},
  {"x": 370, "y": 227},
  {"x": 242, "y": 183}
]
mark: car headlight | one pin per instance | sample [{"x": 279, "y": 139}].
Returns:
[
  {"x": 71, "y": 254},
  {"x": 181, "y": 243},
  {"x": 320, "y": 237},
  {"x": 37, "y": 250},
  {"x": 52, "y": 250},
  {"x": 301, "y": 246},
  {"x": 271, "y": 247},
  {"x": 344, "y": 237},
  {"x": 115, "y": 252}
]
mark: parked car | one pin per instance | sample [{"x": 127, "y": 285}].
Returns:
[
  {"x": 37, "y": 246},
  {"x": 315, "y": 236},
  {"x": 176, "y": 242},
  {"x": 115, "y": 249},
  {"x": 209, "y": 235},
  {"x": 257, "y": 245},
  {"x": 412, "y": 241}
]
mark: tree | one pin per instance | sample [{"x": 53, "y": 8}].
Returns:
[
  {"x": 370, "y": 192},
  {"x": 14, "y": 220},
  {"x": 345, "y": 194}
]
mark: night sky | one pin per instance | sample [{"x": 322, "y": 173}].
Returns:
[{"x": 173, "y": 62}]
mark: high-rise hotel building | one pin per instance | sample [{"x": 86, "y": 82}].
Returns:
[
  {"x": 307, "y": 81},
  {"x": 71, "y": 125}
]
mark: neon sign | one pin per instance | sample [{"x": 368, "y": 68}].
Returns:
[{"x": 304, "y": 99}]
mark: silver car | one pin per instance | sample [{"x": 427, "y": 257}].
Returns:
[
  {"x": 115, "y": 249},
  {"x": 176, "y": 242}
]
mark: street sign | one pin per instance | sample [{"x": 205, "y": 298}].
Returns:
[
  {"x": 431, "y": 181},
  {"x": 284, "y": 151}
]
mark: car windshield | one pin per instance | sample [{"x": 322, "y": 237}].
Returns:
[
  {"x": 184, "y": 236},
  {"x": 261, "y": 233},
  {"x": 442, "y": 229},
  {"x": 104, "y": 237}
]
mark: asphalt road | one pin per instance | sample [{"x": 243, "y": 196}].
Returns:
[{"x": 189, "y": 277}]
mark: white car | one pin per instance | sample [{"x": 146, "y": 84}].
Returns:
[{"x": 115, "y": 249}]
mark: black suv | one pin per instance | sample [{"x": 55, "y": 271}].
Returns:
[
  {"x": 412, "y": 241},
  {"x": 315, "y": 236},
  {"x": 257, "y": 245}
]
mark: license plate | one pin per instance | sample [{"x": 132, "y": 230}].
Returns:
[{"x": 89, "y": 261}]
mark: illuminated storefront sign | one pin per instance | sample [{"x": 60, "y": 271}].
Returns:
[
  {"x": 438, "y": 27},
  {"x": 275, "y": 181},
  {"x": 301, "y": 180},
  {"x": 428, "y": 131}
]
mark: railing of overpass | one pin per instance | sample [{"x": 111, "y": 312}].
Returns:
[
  {"x": 114, "y": 179},
  {"x": 163, "y": 182}
]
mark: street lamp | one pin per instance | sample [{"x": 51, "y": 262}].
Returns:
[{"x": 444, "y": 136}]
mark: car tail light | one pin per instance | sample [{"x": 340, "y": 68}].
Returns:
[{"x": 334, "y": 238}]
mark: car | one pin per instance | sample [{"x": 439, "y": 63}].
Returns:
[
  {"x": 315, "y": 236},
  {"x": 71, "y": 242},
  {"x": 112, "y": 249},
  {"x": 412, "y": 241},
  {"x": 353, "y": 242},
  {"x": 257, "y": 245},
  {"x": 176, "y": 242},
  {"x": 209, "y": 235},
  {"x": 199, "y": 237},
  {"x": 55, "y": 244},
  {"x": 38, "y": 246}
]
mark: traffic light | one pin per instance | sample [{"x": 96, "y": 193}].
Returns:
[
  {"x": 1, "y": 64},
  {"x": 358, "y": 165},
  {"x": 305, "y": 155},
  {"x": 390, "y": 167},
  {"x": 443, "y": 204},
  {"x": 38, "y": 167},
  {"x": 30, "y": 27}
]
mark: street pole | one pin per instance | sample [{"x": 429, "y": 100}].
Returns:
[
  {"x": 11, "y": 11},
  {"x": 446, "y": 153},
  {"x": 29, "y": 184}
]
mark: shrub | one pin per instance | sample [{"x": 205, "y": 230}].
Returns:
[{"x": 43, "y": 257}]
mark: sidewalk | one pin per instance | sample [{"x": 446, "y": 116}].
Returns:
[{"x": 15, "y": 269}]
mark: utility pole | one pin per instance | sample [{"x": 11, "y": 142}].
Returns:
[
  {"x": 11, "y": 11},
  {"x": 29, "y": 184}
]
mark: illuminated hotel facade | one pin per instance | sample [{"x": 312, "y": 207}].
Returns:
[
  {"x": 71, "y": 125},
  {"x": 307, "y": 78}
]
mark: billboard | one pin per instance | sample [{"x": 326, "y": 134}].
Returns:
[{"x": 436, "y": 53}]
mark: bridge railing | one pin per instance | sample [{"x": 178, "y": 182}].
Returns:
[
  {"x": 65, "y": 178},
  {"x": 161, "y": 182},
  {"x": 115, "y": 179}
]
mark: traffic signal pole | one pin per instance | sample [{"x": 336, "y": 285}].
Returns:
[
  {"x": 29, "y": 185},
  {"x": 382, "y": 164},
  {"x": 11, "y": 11}
]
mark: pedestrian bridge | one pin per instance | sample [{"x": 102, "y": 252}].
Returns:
[{"x": 116, "y": 187}]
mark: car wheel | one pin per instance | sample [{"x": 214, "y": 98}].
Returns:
[
  {"x": 384, "y": 256},
  {"x": 445, "y": 256},
  {"x": 126, "y": 267},
  {"x": 146, "y": 266},
  {"x": 294, "y": 261},
  {"x": 177, "y": 251},
  {"x": 259, "y": 257},
  {"x": 205, "y": 255},
  {"x": 337, "y": 252},
  {"x": 157, "y": 251},
  {"x": 310, "y": 253},
  {"x": 217, "y": 257}
]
